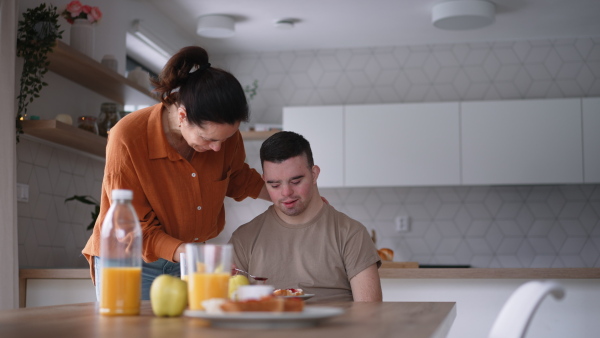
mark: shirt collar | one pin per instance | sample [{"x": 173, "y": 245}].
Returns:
[{"x": 158, "y": 147}]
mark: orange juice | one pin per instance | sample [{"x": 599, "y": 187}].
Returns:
[
  {"x": 203, "y": 286},
  {"x": 121, "y": 290}
]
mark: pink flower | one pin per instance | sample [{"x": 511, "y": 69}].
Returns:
[
  {"x": 95, "y": 14},
  {"x": 74, "y": 7},
  {"x": 75, "y": 10}
]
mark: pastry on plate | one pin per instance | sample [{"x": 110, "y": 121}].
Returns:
[{"x": 288, "y": 292}]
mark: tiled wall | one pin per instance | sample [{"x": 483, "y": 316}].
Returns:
[
  {"x": 53, "y": 232},
  {"x": 428, "y": 73},
  {"x": 511, "y": 226}
]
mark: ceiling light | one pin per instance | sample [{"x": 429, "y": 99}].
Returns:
[
  {"x": 463, "y": 14},
  {"x": 146, "y": 47},
  {"x": 216, "y": 26},
  {"x": 284, "y": 24}
]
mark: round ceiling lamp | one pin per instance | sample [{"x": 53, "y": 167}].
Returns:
[
  {"x": 216, "y": 26},
  {"x": 463, "y": 14}
]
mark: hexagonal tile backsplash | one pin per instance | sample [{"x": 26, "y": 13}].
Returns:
[
  {"x": 428, "y": 73},
  {"x": 496, "y": 226}
]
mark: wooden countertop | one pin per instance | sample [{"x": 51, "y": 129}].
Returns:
[
  {"x": 476, "y": 273},
  {"x": 398, "y": 319}
]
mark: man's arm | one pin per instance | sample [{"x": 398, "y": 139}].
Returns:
[{"x": 366, "y": 286}]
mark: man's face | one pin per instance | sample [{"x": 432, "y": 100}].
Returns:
[{"x": 290, "y": 184}]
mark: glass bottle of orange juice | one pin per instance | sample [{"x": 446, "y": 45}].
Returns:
[{"x": 120, "y": 258}]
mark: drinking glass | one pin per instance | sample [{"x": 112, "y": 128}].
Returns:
[
  {"x": 208, "y": 272},
  {"x": 183, "y": 266}
]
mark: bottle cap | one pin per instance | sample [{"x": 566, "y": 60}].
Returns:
[{"x": 122, "y": 194}]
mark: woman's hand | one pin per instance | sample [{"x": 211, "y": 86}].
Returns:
[{"x": 180, "y": 250}]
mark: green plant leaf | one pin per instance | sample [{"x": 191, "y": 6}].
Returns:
[
  {"x": 83, "y": 199},
  {"x": 37, "y": 33},
  {"x": 90, "y": 201}
]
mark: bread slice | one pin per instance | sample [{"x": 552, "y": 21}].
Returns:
[{"x": 265, "y": 304}]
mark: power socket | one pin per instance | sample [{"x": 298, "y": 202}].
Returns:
[
  {"x": 402, "y": 223},
  {"x": 22, "y": 192}
]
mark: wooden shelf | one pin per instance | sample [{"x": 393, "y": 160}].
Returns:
[
  {"x": 81, "y": 69},
  {"x": 257, "y": 135},
  {"x": 66, "y": 135},
  {"x": 73, "y": 137}
]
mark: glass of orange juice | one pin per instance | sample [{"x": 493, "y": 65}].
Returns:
[{"x": 208, "y": 271}]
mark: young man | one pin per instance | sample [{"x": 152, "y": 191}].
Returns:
[{"x": 301, "y": 241}]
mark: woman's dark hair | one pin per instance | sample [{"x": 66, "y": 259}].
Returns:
[
  {"x": 208, "y": 94},
  {"x": 285, "y": 145}
]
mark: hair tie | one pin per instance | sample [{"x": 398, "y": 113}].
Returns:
[{"x": 200, "y": 68}]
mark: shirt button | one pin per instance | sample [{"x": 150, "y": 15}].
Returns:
[
  {"x": 199, "y": 208},
  {"x": 195, "y": 239},
  {"x": 193, "y": 174}
]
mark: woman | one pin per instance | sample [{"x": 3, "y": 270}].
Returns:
[{"x": 180, "y": 157}]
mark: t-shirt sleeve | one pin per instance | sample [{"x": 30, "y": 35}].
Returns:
[{"x": 359, "y": 251}]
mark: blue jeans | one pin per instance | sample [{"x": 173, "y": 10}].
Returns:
[{"x": 149, "y": 272}]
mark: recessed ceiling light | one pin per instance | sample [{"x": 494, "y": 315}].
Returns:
[
  {"x": 216, "y": 26},
  {"x": 284, "y": 24},
  {"x": 463, "y": 14}
]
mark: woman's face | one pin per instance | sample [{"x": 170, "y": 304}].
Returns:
[{"x": 209, "y": 136}]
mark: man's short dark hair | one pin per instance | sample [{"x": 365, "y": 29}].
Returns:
[{"x": 285, "y": 145}]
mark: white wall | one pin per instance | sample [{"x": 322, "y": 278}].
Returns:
[
  {"x": 479, "y": 301},
  {"x": 9, "y": 261}
]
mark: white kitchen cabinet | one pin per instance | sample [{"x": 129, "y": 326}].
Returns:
[
  {"x": 479, "y": 301},
  {"x": 323, "y": 127},
  {"x": 521, "y": 142},
  {"x": 402, "y": 144},
  {"x": 591, "y": 140}
]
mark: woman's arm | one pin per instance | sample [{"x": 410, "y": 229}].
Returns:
[{"x": 264, "y": 194}]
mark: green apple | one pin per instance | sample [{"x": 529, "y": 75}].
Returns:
[
  {"x": 168, "y": 296},
  {"x": 235, "y": 282}
]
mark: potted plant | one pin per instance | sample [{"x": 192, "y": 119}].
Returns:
[
  {"x": 251, "y": 90},
  {"x": 88, "y": 200},
  {"x": 36, "y": 36}
]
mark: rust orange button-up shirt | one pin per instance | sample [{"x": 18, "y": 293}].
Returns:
[{"x": 176, "y": 201}]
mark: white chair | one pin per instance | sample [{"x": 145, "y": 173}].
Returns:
[{"x": 516, "y": 314}]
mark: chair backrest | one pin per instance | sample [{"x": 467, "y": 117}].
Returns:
[{"x": 515, "y": 316}]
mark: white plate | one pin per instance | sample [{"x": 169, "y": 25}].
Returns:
[
  {"x": 304, "y": 296},
  {"x": 311, "y": 316}
]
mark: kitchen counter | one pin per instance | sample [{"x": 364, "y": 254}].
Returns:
[
  {"x": 388, "y": 270},
  {"x": 397, "y": 319}
]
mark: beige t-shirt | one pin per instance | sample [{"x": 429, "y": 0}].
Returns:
[{"x": 320, "y": 256}]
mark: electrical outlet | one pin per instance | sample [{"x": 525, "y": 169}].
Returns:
[
  {"x": 22, "y": 192},
  {"x": 402, "y": 223}
]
